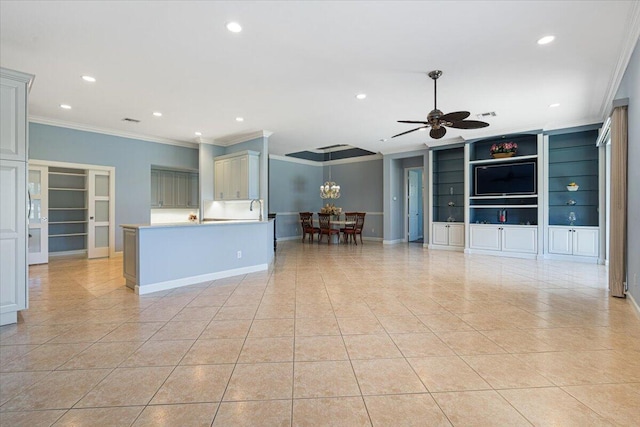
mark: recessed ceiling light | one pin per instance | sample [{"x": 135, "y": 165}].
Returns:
[
  {"x": 554, "y": 105},
  {"x": 198, "y": 133},
  {"x": 361, "y": 95},
  {"x": 384, "y": 140},
  {"x": 239, "y": 119},
  {"x": 234, "y": 27},
  {"x": 422, "y": 129},
  {"x": 65, "y": 106},
  {"x": 546, "y": 39},
  {"x": 157, "y": 113},
  {"x": 89, "y": 79}
]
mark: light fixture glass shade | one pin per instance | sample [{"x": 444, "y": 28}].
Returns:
[{"x": 330, "y": 190}]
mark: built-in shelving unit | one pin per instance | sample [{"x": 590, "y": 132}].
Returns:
[
  {"x": 448, "y": 185},
  {"x": 521, "y": 209},
  {"x": 67, "y": 209},
  {"x": 573, "y": 157}
]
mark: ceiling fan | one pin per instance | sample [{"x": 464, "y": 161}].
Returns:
[{"x": 437, "y": 121}]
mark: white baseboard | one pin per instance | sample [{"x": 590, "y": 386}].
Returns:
[
  {"x": 634, "y": 303},
  {"x": 186, "y": 281},
  {"x": 445, "y": 248},
  {"x": 393, "y": 242}
]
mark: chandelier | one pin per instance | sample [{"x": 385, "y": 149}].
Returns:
[{"x": 330, "y": 190}]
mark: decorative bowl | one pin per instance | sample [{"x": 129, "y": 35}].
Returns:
[{"x": 573, "y": 187}]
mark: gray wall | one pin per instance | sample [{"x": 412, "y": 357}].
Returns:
[
  {"x": 393, "y": 199},
  {"x": 132, "y": 159},
  {"x": 295, "y": 187},
  {"x": 630, "y": 88}
]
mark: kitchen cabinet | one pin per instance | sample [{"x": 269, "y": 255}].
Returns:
[
  {"x": 504, "y": 238},
  {"x": 447, "y": 234},
  {"x": 577, "y": 241},
  {"x": 237, "y": 176},
  {"x": 14, "y": 88},
  {"x": 174, "y": 189}
]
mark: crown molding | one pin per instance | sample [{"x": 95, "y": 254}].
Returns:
[
  {"x": 237, "y": 139},
  {"x": 112, "y": 132},
  {"x": 294, "y": 160},
  {"x": 633, "y": 38},
  {"x": 328, "y": 162}
]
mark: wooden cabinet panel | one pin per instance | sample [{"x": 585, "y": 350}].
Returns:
[
  {"x": 586, "y": 241},
  {"x": 520, "y": 239},
  {"x": 486, "y": 237},
  {"x": 560, "y": 240},
  {"x": 456, "y": 235},
  {"x": 440, "y": 234},
  {"x": 174, "y": 189},
  {"x": 181, "y": 190}
]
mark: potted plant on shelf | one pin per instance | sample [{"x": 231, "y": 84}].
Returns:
[{"x": 503, "y": 149}]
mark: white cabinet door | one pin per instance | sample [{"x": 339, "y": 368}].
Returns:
[
  {"x": 193, "y": 196},
  {"x": 486, "y": 237},
  {"x": 218, "y": 180},
  {"x": 456, "y": 235},
  {"x": 520, "y": 239},
  {"x": 586, "y": 241},
  {"x": 155, "y": 189},
  {"x": 560, "y": 240},
  {"x": 241, "y": 177},
  {"x": 13, "y": 107},
  {"x": 38, "y": 212},
  {"x": 440, "y": 234},
  {"x": 13, "y": 239},
  {"x": 181, "y": 189}
]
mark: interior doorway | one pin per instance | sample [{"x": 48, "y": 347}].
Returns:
[{"x": 414, "y": 206}]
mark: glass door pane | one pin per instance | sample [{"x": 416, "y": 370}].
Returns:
[
  {"x": 38, "y": 206},
  {"x": 99, "y": 231}
]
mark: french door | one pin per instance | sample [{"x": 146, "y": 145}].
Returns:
[
  {"x": 99, "y": 210},
  {"x": 38, "y": 208}
]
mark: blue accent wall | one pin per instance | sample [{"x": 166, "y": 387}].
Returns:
[
  {"x": 630, "y": 88},
  {"x": 132, "y": 159}
]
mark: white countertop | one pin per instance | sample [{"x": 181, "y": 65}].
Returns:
[{"x": 197, "y": 224}]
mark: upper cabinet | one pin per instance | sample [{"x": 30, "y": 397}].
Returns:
[
  {"x": 237, "y": 176},
  {"x": 13, "y": 109},
  {"x": 174, "y": 189}
]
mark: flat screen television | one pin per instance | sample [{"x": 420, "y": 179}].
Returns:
[{"x": 505, "y": 179}]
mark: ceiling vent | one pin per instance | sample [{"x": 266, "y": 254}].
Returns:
[
  {"x": 130, "y": 120},
  {"x": 485, "y": 115}
]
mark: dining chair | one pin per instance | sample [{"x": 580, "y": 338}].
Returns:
[
  {"x": 325, "y": 227},
  {"x": 359, "y": 225},
  {"x": 306, "y": 222},
  {"x": 349, "y": 230}
]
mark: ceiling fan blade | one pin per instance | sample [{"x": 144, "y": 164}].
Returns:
[
  {"x": 469, "y": 124},
  {"x": 412, "y": 121},
  {"x": 409, "y": 131},
  {"x": 456, "y": 116},
  {"x": 437, "y": 133}
]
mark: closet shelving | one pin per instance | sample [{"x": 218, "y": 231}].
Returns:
[{"x": 67, "y": 209}]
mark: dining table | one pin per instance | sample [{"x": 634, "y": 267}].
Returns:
[{"x": 335, "y": 223}]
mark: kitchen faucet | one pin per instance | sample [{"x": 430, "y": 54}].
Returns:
[{"x": 251, "y": 206}]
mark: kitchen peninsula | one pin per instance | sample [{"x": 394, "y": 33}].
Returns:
[{"x": 166, "y": 256}]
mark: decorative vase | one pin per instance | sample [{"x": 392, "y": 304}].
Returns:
[{"x": 503, "y": 155}]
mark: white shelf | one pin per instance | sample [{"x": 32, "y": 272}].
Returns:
[
  {"x": 505, "y": 160},
  {"x": 68, "y": 209},
  {"x": 68, "y": 222},
  {"x": 67, "y": 174},
  {"x": 67, "y": 189},
  {"x": 67, "y": 235},
  {"x": 514, "y": 196},
  {"x": 502, "y": 206}
]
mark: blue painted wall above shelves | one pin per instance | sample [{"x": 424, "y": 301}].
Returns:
[{"x": 573, "y": 157}]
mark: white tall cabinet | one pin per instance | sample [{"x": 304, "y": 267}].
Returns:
[{"x": 14, "y": 88}]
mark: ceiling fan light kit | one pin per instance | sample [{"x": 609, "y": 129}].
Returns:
[{"x": 438, "y": 121}]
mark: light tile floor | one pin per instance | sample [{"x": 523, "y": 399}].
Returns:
[{"x": 339, "y": 335}]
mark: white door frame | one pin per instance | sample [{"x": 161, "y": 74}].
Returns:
[
  {"x": 406, "y": 201},
  {"x": 112, "y": 191}
]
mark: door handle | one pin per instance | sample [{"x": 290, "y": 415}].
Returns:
[{"x": 91, "y": 218}]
